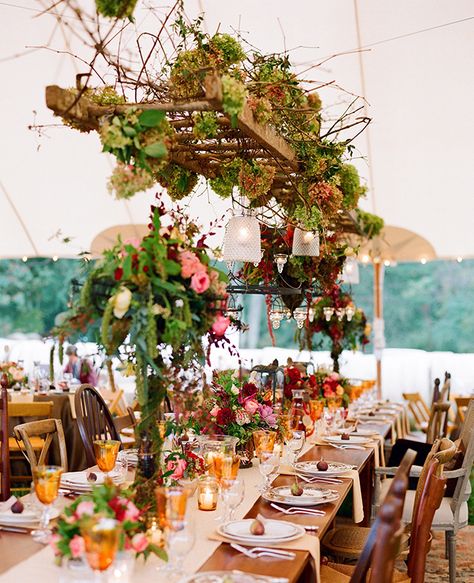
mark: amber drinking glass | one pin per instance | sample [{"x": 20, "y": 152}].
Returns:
[
  {"x": 46, "y": 481},
  {"x": 264, "y": 441},
  {"x": 101, "y": 539},
  {"x": 171, "y": 505},
  {"x": 106, "y": 451}
]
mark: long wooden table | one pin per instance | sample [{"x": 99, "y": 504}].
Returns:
[{"x": 15, "y": 548}]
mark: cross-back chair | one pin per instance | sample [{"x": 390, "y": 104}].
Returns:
[
  {"x": 418, "y": 409},
  {"x": 462, "y": 403},
  {"x": 47, "y": 430},
  {"x": 22, "y": 411},
  {"x": 380, "y": 550},
  {"x": 438, "y": 421},
  {"x": 93, "y": 419},
  {"x": 115, "y": 401},
  {"x": 4, "y": 447}
]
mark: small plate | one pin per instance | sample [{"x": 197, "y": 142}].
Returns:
[
  {"x": 354, "y": 439},
  {"x": 9, "y": 518},
  {"x": 334, "y": 468},
  {"x": 232, "y": 577},
  {"x": 312, "y": 496},
  {"x": 362, "y": 432},
  {"x": 375, "y": 418},
  {"x": 275, "y": 531}
]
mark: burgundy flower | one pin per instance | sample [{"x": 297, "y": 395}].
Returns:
[
  {"x": 118, "y": 273},
  {"x": 248, "y": 391},
  {"x": 225, "y": 416}
]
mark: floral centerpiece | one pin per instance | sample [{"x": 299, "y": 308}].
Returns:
[
  {"x": 182, "y": 467},
  {"x": 236, "y": 409},
  {"x": 12, "y": 373},
  {"x": 323, "y": 385},
  {"x": 108, "y": 501}
]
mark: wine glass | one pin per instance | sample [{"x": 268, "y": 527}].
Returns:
[
  {"x": 296, "y": 443},
  {"x": 268, "y": 462},
  {"x": 180, "y": 540},
  {"x": 101, "y": 540},
  {"x": 46, "y": 481},
  {"x": 106, "y": 451},
  {"x": 232, "y": 492}
]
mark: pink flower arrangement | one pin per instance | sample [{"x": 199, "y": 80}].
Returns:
[
  {"x": 200, "y": 282},
  {"x": 268, "y": 415},
  {"x": 85, "y": 508},
  {"x": 177, "y": 467},
  {"x": 251, "y": 406},
  {"x": 139, "y": 542}
]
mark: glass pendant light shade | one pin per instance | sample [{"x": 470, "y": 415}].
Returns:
[
  {"x": 350, "y": 271},
  {"x": 242, "y": 240},
  {"x": 305, "y": 243}
]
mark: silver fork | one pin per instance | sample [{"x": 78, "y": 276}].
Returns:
[
  {"x": 257, "y": 552},
  {"x": 337, "y": 446},
  {"x": 297, "y": 510},
  {"x": 313, "y": 479}
]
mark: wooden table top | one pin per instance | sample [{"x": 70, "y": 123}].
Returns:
[{"x": 15, "y": 548}]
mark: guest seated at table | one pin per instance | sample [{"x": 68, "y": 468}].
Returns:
[{"x": 81, "y": 369}]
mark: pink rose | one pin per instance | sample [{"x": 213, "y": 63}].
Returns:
[
  {"x": 200, "y": 282},
  {"x": 131, "y": 512},
  {"x": 178, "y": 467},
  {"x": 251, "y": 406},
  {"x": 85, "y": 507},
  {"x": 77, "y": 546},
  {"x": 190, "y": 264},
  {"x": 139, "y": 542},
  {"x": 214, "y": 411},
  {"x": 220, "y": 325}
]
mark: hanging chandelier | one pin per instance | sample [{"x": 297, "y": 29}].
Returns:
[
  {"x": 242, "y": 240},
  {"x": 340, "y": 313}
]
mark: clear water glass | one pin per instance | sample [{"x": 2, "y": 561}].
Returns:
[{"x": 296, "y": 443}]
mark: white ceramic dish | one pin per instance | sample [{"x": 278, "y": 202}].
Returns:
[
  {"x": 312, "y": 496},
  {"x": 353, "y": 439},
  {"x": 275, "y": 531},
  {"x": 334, "y": 468}
]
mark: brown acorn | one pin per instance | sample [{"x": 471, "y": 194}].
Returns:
[
  {"x": 345, "y": 436},
  {"x": 18, "y": 507},
  {"x": 322, "y": 465},
  {"x": 296, "y": 489}
]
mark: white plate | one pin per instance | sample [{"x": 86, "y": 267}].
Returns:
[
  {"x": 354, "y": 439},
  {"x": 275, "y": 531},
  {"x": 80, "y": 478},
  {"x": 231, "y": 577},
  {"x": 334, "y": 469},
  {"x": 362, "y": 432},
  {"x": 375, "y": 418},
  {"x": 26, "y": 517},
  {"x": 312, "y": 496}
]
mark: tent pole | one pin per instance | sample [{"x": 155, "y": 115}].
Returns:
[{"x": 378, "y": 315}]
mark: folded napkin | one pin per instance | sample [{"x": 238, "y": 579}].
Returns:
[
  {"x": 357, "y": 504},
  {"x": 307, "y": 542}
]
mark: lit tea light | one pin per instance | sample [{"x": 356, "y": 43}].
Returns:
[{"x": 208, "y": 491}]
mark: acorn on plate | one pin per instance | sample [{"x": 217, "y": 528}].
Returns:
[{"x": 345, "y": 436}]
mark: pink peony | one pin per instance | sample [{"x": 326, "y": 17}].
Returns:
[
  {"x": 139, "y": 542},
  {"x": 178, "y": 467},
  {"x": 242, "y": 417},
  {"x": 190, "y": 264},
  {"x": 267, "y": 415},
  {"x": 215, "y": 410},
  {"x": 85, "y": 507},
  {"x": 124, "y": 509},
  {"x": 200, "y": 282},
  {"x": 131, "y": 512},
  {"x": 220, "y": 325},
  {"x": 251, "y": 406},
  {"x": 77, "y": 546}
]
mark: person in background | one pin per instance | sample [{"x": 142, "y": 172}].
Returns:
[{"x": 80, "y": 368}]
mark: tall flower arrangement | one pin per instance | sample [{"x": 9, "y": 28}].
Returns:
[
  {"x": 148, "y": 298},
  {"x": 12, "y": 373}
]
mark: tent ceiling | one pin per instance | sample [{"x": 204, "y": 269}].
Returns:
[{"x": 419, "y": 89}]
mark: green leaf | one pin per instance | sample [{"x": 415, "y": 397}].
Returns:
[
  {"x": 151, "y": 118},
  {"x": 156, "y": 150},
  {"x": 172, "y": 267},
  {"x": 129, "y": 131}
]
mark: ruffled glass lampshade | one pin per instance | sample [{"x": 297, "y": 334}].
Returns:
[
  {"x": 242, "y": 240},
  {"x": 350, "y": 271},
  {"x": 305, "y": 243}
]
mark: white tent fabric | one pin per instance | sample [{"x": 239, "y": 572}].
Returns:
[{"x": 419, "y": 89}]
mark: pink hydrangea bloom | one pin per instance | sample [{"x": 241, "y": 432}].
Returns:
[
  {"x": 139, "y": 542},
  {"x": 200, "y": 282},
  {"x": 77, "y": 546},
  {"x": 220, "y": 325}
]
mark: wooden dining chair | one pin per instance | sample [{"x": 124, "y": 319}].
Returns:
[
  {"x": 381, "y": 547},
  {"x": 93, "y": 419},
  {"x": 46, "y": 430},
  {"x": 418, "y": 409},
  {"x": 4, "y": 447},
  {"x": 115, "y": 401},
  {"x": 346, "y": 543},
  {"x": 437, "y": 423},
  {"x": 462, "y": 403},
  {"x": 22, "y": 411}
]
